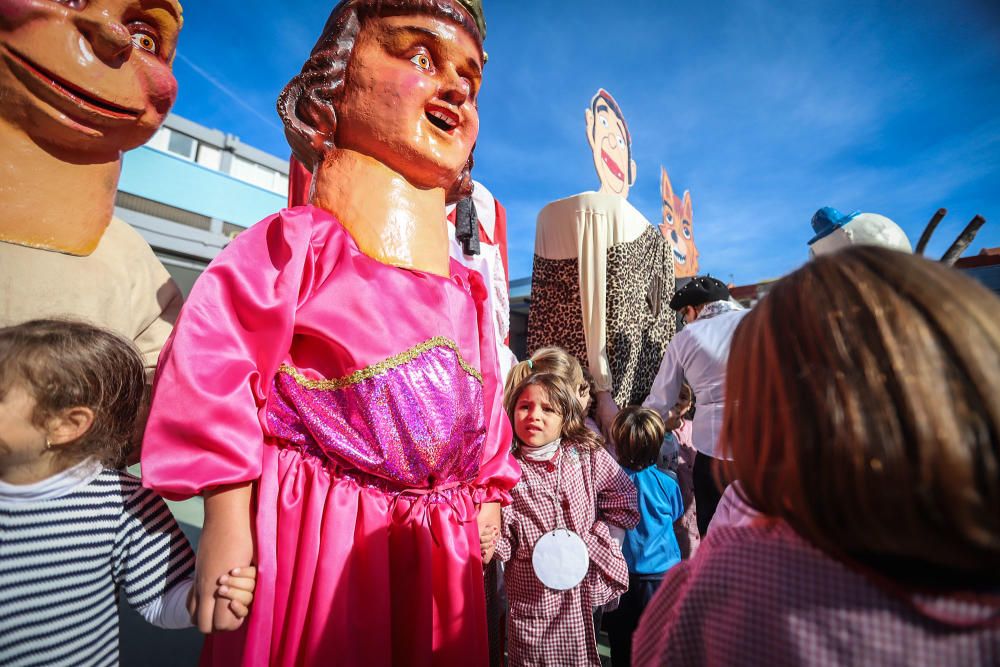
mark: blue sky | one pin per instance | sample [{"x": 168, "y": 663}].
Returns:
[{"x": 766, "y": 111}]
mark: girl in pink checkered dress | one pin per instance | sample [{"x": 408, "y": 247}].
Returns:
[{"x": 570, "y": 492}]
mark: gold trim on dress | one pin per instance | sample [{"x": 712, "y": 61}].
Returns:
[{"x": 381, "y": 367}]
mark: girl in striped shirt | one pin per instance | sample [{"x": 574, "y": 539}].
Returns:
[{"x": 74, "y": 531}]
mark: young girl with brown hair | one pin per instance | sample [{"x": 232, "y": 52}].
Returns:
[
  {"x": 74, "y": 531},
  {"x": 863, "y": 419},
  {"x": 551, "y": 360},
  {"x": 561, "y": 559}
]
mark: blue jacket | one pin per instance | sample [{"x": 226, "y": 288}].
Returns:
[{"x": 651, "y": 547}]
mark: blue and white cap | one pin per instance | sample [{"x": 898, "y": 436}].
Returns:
[{"x": 827, "y": 220}]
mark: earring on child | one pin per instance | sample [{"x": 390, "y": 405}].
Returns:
[{"x": 48, "y": 445}]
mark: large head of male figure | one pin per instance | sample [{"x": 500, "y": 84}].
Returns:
[
  {"x": 611, "y": 144},
  {"x": 81, "y": 82}
]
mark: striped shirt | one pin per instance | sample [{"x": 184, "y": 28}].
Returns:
[{"x": 68, "y": 545}]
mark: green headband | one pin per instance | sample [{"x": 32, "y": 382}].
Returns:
[{"x": 475, "y": 9}]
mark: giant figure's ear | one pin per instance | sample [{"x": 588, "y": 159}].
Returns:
[
  {"x": 310, "y": 125},
  {"x": 666, "y": 190},
  {"x": 589, "y": 115},
  {"x": 631, "y": 172},
  {"x": 688, "y": 213}
]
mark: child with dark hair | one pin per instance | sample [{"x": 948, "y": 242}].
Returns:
[
  {"x": 651, "y": 547},
  {"x": 74, "y": 531},
  {"x": 571, "y": 492}
]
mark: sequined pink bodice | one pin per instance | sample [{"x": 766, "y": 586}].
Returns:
[{"x": 415, "y": 420}]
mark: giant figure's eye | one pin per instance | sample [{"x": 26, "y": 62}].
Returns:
[
  {"x": 604, "y": 121},
  {"x": 421, "y": 60},
  {"x": 145, "y": 41},
  {"x": 621, "y": 142},
  {"x": 687, "y": 232}
]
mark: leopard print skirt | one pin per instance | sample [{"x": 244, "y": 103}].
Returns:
[
  {"x": 640, "y": 322},
  {"x": 640, "y": 283},
  {"x": 555, "y": 317}
]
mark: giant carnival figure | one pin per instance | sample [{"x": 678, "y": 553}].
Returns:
[
  {"x": 79, "y": 84},
  {"x": 332, "y": 385},
  {"x": 603, "y": 275}
]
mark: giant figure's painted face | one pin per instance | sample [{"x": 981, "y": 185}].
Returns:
[
  {"x": 611, "y": 144},
  {"x": 677, "y": 228},
  {"x": 87, "y": 76},
  {"x": 410, "y": 101}
]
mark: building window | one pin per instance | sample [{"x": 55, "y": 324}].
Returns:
[
  {"x": 230, "y": 230},
  {"x": 182, "y": 144},
  {"x": 160, "y": 140},
  {"x": 209, "y": 156},
  {"x": 259, "y": 175}
]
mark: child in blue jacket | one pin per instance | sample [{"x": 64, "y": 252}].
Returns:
[{"x": 651, "y": 547}]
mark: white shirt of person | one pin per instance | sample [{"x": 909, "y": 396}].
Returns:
[{"x": 698, "y": 353}]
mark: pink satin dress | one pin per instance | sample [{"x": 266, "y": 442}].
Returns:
[{"x": 364, "y": 401}]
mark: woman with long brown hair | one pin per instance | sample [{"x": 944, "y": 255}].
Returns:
[{"x": 863, "y": 419}]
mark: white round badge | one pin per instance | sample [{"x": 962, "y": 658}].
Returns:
[{"x": 560, "y": 559}]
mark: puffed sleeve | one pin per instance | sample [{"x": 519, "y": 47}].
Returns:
[
  {"x": 615, "y": 503},
  {"x": 205, "y": 427},
  {"x": 499, "y": 470},
  {"x": 616, "y": 500}
]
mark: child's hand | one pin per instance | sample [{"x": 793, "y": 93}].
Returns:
[
  {"x": 238, "y": 587},
  {"x": 488, "y": 520},
  {"x": 488, "y": 542}
]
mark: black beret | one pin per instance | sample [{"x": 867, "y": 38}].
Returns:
[{"x": 698, "y": 291}]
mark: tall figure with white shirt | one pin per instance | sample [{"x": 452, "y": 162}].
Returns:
[
  {"x": 602, "y": 274},
  {"x": 698, "y": 353}
]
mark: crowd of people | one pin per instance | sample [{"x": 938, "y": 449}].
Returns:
[
  {"x": 856, "y": 442},
  {"x": 858, "y": 446}
]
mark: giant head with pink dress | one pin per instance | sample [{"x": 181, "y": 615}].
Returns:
[
  {"x": 334, "y": 356},
  {"x": 322, "y": 113}
]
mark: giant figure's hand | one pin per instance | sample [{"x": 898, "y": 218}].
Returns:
[{"x": 226, "y": 543}]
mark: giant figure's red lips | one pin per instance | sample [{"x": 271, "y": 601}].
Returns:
[
  {"x": 613, "y": 167},
  {"x": 441, "y": 117},
  {"x": 72, "y": 92}
]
